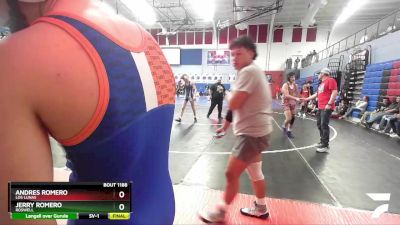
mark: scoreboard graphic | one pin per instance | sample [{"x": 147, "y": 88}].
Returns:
[{"x": 72, "y": 201}]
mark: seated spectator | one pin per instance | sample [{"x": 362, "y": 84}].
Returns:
[
  {"x": 305, "y": 93},
  {"x": 361, "y": 105},
  {"x": 384, "y": 125},
  {"x": 391, "y": 109},
  {"x": 341, "y": 109},
  {"x": 381, "y": 107},
  {"x": 312, "y": 108},
  {"x": 395, "y": 125},
  {"x": 311, "y": 87},
  {"x": 316, "y": 56},
  {"x": 278, "y": 92}
]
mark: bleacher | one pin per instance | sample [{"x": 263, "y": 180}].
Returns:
[
  {"x": 300, "y": 82},
  {"x": 381, "y": 80}
]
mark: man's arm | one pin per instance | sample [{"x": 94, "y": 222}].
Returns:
[
  {"x": 237, "y": 99},
  {"x": 210, "y": 90},
  {"x": 228, "y": 120},
  {"x": 392, "y": 110},
  {"x": 314, "y": 96},
  {"x": 25, "y": 153},
  {"x": 227, "y": 123},
  {"x": 333, "y": 97}
]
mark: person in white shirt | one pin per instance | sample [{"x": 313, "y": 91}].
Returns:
[
  {"x": 361, "y": 105},
  {"x": 250, "y": 109}
]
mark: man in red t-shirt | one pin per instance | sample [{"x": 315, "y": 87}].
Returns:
[{"x": 326, "y": 94}]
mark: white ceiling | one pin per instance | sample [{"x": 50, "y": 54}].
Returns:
[{"x": 292, "y": 13}]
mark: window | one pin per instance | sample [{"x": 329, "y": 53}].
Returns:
[
  {"x": 262, "y": 33},
  {"x": 278, "y": 34},
  {"x": 311, "y": 34},
  {"x": 297, "y": 33}
]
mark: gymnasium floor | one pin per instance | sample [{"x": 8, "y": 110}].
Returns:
[{"x": 360, "y": 161}]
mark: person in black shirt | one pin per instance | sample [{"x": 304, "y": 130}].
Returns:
[{"x": 217, "y": 93}]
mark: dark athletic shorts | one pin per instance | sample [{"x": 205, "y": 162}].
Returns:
[{"x": 247, "y": 147}]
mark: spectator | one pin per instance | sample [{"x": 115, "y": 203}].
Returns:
[
  {"x": 289, "y": 63},
  {"x": 391, "y": 109},
  {"x": 381, "y": 107},
  {"x": 311, "y": 87},
  {"x": 341, "y": 109},
  {"x": 361, "y": 105},
  {"x": 296, "y": 63},
  {"x": 384, "y": 125},
  {"x": 312, "y": 108},
  {"x": 305, "y": 93},
  {"x": 395, "y": 124},
  {"x": 316, "y": 56},
  {"x": 309, "y": 58},
  {"x": 277, "y": 92},
  {"x": 303, "y": 62}
]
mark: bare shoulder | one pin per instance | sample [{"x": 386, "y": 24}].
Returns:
[
  {"x": 284, "y": 86},
  {"x": 43, "y": 64},
  {"x": 23, "y": 56}
]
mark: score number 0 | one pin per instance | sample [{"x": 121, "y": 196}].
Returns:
[{"x": 121, "y": 194}]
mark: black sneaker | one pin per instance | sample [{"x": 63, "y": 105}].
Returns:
[
  {"x": 323, "y": 149},
  {"x": 368, "y": 125},
  {"x": 290, "y": 135},
  {"x": 195, "y": 119},
  {"x": 178, "y": 120},
  {"x": 319, "y": 145}
]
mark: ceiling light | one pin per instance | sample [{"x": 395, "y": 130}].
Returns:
[
  {"x": 349, "y": 10},
  {"x": 142, "y": 10}
]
